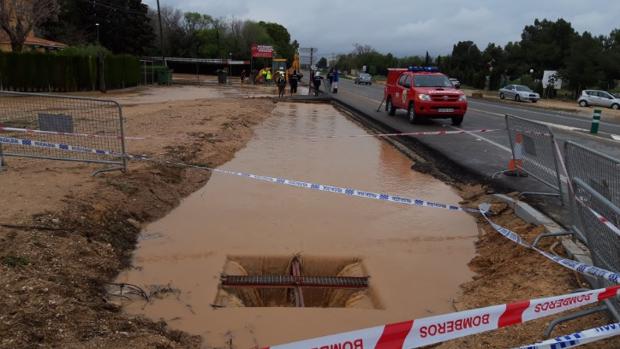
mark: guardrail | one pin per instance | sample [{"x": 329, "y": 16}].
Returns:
[{"x": 80, "y": 122}]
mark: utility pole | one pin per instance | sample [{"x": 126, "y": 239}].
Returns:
[{"x": 161, "y": 34}]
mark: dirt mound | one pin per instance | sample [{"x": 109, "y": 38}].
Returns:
[{"x": 506, "y": 272}]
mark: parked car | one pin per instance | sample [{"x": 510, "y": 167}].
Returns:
[
  {"x": 455, "y": 82},
  {"x": 363, "y": 78},
  {"x": 598, "y": 98},
  {"x": 518, "y": 93}
]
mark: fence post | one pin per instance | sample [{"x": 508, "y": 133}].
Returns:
[
  {"x": 122, "y": 133},
  {"x": 1, "y": 159},
  {"x": 596, "y": 120}
]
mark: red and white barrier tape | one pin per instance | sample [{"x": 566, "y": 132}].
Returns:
[
  {"x": 88, "y": 135},
  {"x": 578, "y": 338},
  {"x": 420, "y": 133},
  {"x": 603, "y": 220},
  {"x": 436, "y": 329}
]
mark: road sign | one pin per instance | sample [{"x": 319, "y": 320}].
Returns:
[{"x": 262, "y": 51}]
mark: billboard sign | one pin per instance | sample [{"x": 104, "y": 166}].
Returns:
[
  {"x": 262, "y": 51},
  {"x": 551, "y": 78}
]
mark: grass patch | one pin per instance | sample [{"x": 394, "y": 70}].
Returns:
[{"x": 15, "y": 261}]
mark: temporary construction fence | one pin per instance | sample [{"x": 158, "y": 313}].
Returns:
[
  {"x": 595, "y": 206},
  {"x": 600, "y": 171},
  {"x": 55, "y": 123},
  {"x": 533, "y": 152}
]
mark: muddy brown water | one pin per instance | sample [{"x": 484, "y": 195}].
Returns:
[{"x": 416, "y": 257}]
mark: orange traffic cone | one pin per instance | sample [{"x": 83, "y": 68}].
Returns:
[{"x": 515, "y": 165}]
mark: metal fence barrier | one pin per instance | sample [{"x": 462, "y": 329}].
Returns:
[
  {"x": 599, "y": 171},
  {"x": 602, "y": 241},
  {"x": 595, "y": 182},
  {"x": 533, "y": 151},
  {"x": 75, "y": 121}
]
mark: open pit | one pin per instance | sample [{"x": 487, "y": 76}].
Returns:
[
  {"x": 415, "y": 258},
  {"x": 295, "y": 281}
]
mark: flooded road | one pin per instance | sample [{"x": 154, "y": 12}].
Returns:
[{"x": 416, "y": 257}]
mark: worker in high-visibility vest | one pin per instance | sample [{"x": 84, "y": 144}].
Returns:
[{"x": 268, "y": 77}]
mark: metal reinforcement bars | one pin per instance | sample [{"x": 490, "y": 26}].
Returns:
[
  {"x": 291, "y": 281},
  {"x": 51, "y": 119}
]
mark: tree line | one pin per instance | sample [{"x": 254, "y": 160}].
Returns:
[
  {"x": 130, "y": 26},
  {"x": 581, "y": 59},
  {"x": 193, "y": 34}
]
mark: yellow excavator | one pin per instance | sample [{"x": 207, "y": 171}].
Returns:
[
  {"x": 279, "y": 64},
  {"x": 295, "y": 66}
]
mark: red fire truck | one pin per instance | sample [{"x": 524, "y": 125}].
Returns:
[{"x": 425, "y": 93}]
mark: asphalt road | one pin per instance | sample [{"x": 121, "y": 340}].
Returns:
[
  {"x": 484, "y": 154},
  {"x": 375, "y": 93}
]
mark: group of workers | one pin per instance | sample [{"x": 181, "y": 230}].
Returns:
[
  {"x": 281, "y": 78},
  {"x": 333, "y": 77}
]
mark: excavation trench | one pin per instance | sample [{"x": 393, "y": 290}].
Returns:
[
  {"x": 295, "y": 282},
  {"x": 414, "y": 259}
]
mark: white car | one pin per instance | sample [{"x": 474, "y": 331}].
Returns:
[
  {"x": 598, "y": 98},
  {"x": 455, "y": 82},
  {"x": 363, "y": 78},
  {"x": 518, "y": 93}
]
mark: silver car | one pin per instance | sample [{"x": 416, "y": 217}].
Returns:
[
  {"x": 518, "y": 93},
  {"x": 598, "y": 98},
  {"x": 363, "y": 78},
  {"x": 455, "y": 82}
]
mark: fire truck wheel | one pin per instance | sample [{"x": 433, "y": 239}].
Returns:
[
  {"x": 411, "y": 113},
  {"x": 390, "y": 107}
]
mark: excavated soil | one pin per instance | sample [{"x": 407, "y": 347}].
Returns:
[
  {"x": 64, "y": 234},
  {"x": 506, "y": 273}
]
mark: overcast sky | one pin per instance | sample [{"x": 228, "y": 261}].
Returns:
[{"x": 406, "y": 27}]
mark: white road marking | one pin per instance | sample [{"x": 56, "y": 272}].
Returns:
[
  {"x": 550, "y": 124},
  {"x": 504, "y": 148},
  {"x": 486, "y": 112},
  {"x": 581, "y": 131},
  {"x": 575, "y": 117}
]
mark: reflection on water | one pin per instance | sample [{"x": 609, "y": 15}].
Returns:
[{"x": 416, "y": 257}]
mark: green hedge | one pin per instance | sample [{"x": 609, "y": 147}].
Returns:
[
  {"x": 121, "y": 71},
  {"x": 35, "y": 72}
]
